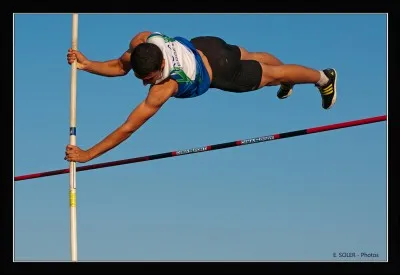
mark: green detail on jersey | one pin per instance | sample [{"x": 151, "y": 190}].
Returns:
[
  {"x": 183, "y": 77},
  {"x": 166, "y": 38}
]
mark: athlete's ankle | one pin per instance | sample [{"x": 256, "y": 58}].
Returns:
[
  {"x": 286, "y": 84},
  {"x": 323, "y": 80}
]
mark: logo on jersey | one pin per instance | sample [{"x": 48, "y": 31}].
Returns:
[
  {"x": 180, "y": 75},
  {"x": 175, "y": 59}
]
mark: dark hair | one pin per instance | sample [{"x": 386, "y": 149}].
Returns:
[{"x": 146, "y": 58}]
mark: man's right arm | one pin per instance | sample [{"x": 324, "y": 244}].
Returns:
[{"x": 116, "y": 67}]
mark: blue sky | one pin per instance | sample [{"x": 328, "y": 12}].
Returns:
[{"x": 297, "y": 199}]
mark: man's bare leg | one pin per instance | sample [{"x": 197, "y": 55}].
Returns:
[
  {"x": 285, "y": 89},
  {"x": 275, "y": 73},
  {"x": 324, "y": 80}
]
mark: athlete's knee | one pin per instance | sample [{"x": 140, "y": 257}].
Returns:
[
  {"x": 272, "y": 75},
  {"x": 276, "y": 72}
]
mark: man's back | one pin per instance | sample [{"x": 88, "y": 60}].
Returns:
[
  {"x": 177, "y": 57},
  {"x": 182, "y": 63}
]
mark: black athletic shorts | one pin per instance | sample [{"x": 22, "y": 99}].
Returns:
[{"x": 229, "y": 72}]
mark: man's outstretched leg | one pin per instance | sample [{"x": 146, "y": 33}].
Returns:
[
  {"x": 232, "y": 73},
  {"x": 285, "y": 89},
  {"x": 324, "y": 80},
  {"x": 274, "y": 72}
]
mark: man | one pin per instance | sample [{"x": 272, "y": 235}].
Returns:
[{"x": 176, "y": 67}]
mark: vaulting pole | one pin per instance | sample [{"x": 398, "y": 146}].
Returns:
[{"x": 72, "y": 141}]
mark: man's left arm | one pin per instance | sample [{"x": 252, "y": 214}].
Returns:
[{"x": 158, "y": 95}]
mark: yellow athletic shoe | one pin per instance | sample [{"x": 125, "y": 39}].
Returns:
[{"x": 328, "y": 91}]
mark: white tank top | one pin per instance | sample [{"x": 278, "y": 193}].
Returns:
[{"x": 176, "y": 55}]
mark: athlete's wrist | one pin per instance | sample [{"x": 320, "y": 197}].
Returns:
[
  {"x": 86, "y": 65},
  {"x": 90, "y": 154}
]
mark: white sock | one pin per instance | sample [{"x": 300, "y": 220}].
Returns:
[{"x": 323, "y": 80}]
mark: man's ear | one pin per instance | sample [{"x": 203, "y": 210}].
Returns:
[{"x": 162, "y": 64}]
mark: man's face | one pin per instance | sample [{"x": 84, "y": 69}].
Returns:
[{"x": 152, "y": 77}]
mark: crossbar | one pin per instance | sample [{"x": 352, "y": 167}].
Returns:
[{"x": 206, "y": 148}]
